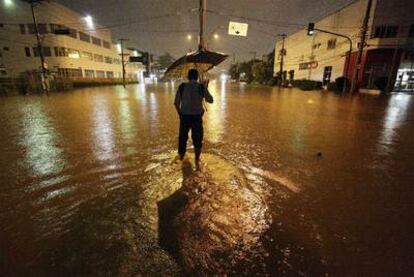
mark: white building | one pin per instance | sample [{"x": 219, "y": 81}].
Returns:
[
  {"x": 323, "y": 57},
  {"x": 88, "y": 52}
]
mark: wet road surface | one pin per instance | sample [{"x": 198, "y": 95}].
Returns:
[{"x": 81, "y": 174}]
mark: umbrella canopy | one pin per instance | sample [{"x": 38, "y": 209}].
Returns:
[{"x": 202, "y": 60}]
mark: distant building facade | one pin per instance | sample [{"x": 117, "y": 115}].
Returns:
[
  {"x": 87, "y": 52},
  {"x": 323, "y": 57}
]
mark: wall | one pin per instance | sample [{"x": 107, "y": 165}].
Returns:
[{"x": 15, "y": 60}]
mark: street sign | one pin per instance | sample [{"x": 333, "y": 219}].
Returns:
[
  {"x": 143, "y": 59},
  {"x": 238, "y": 29}
]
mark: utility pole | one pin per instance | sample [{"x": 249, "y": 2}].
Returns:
[
  {"x": 362, "y": 42},
  {"x": 121, "y": 41},
  {"x": 39, "y": 45},
  {"x": 202, "y": 11},
  {"x": 282, "y": 59}
]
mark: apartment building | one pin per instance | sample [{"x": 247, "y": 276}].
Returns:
[
  {"x": 324, "y": 57},
  {"x": 87, "y": 51}
]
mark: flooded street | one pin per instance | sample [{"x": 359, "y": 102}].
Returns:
[{"x": 329, "y": 182}]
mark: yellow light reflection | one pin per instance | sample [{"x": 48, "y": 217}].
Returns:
[
  {"x": 39, "y": 138},
  {"x": 216, "y": 114},
  {"x": 102, "y": 131},
  {"x": 395, "y": 115}
]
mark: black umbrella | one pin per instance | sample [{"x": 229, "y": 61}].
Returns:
[{"x": 202, "y": 60}]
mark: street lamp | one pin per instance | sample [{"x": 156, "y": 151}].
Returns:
[
  {"x": 189, "y": 37},
  {"x": 8, "y": 3},
  {"x": 89, "y": 21},
  {"x": 216, "y": 36}
]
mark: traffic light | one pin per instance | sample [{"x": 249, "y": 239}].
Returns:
[{"x": 311, "y": 29}]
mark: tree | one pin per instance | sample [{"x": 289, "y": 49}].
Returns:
[
  {"x": 254, "y": 70},
  {"x": 164, "y": 61}
]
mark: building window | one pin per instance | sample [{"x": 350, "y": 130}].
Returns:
[
  {"x": 61, "y": 52},
  {"x": 109, "y": 74},
  {"x": 3, "y": 72},
  {"x": 316, "y": 45},
  {"x": 117, "y": 61},
  {"x": 73, "y": 33},
  {"x": 106, "y": 44},
  {"x": 69, "y": 72},
  {"x": 411, "y": 31},
  {"x": 96, "y": 41},
  {"x": 89, "y": 73},
  {"x": 385, "y": 31},
  {"x": 41, "y": 28},
  {"x": 84, "y": 37},
  {"x": 87, "y": 56},
  {"x": 73, "y": 54},
  {"x": 22, "y": 29},
  {"x": 54, "y": 27},
  {"x": 108, "y": 60},
  {"x": 1, "y": 25},
  {"x": 331, "y": 43},
  {"x": 100, "y": 74},
  {"x": 45, "y": 50},
  {"x": 98, "y": 58},
  {"x": 27, "y": 52},
  {"x": 6, "y": 48}
]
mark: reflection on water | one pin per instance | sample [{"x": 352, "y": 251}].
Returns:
[
  {"x": 40, "y": 141},
  {"x": 215, "y": 116},
  {"x": 396, "y": 114},
  {"x": 103, "y": 130},
  {"x": 81, "y": 174}
]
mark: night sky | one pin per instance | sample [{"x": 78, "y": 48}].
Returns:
[{"x": 155, "y": 25}]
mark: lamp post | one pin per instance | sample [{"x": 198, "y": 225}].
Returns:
[{"x": 311, "y": 31}]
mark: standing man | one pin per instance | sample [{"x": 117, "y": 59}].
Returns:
[{"x": 189, "y": 105}]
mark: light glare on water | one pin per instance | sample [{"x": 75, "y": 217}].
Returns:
[{"x": 81, "y": 174}]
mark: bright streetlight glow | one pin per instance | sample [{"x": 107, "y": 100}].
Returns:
[
  {"x": 189, "y": 37},
  {"x": 216, "y": 36},
  {"x": 89, "y": 21},
  {"x": 135, "y": 53},
  {"x": 8, "y": 3},
  {"x": 119, "y": 47}
]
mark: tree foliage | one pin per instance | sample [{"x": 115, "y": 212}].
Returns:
[{"x": 254, "y": 71}]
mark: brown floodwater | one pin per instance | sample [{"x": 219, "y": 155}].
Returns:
[{"x": 328, "y": 184}]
